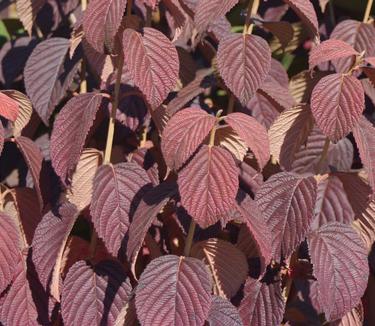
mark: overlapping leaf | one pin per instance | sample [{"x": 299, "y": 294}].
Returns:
[
  {"x": 287, "y": 202},
  {"x": 8, "y": 107},
  {"x": 222, "y": 312},
  {"x": 174, "y": 290},
  {"x": 70, "y": 130},
  {"x": 48, "y": 75},
  {"x": 340, "y": 266},
  {"x": 184, "y": 132},
  {"x": 117, "y": 192},
  {"x": 337, "y": 103},
  {"x": 227, "y": 138},
  {"x": 243, "y": 62},
  {"x": 365, "y": 224},
  {"x": 101, "y": 22},
  {"x": 262, "y": 110},
  {"x": 152, "y": 61},
  {"x": 94, "y": 295},
  {"x": 208, "y": 185},
  {"x": 27, "y": 11}
]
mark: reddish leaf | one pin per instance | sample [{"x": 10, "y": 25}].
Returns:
[
  {"x": 287, "y": 202},
  {"x": 262, "y": 304},
  {"x": 243, "y": 62},
  {"x": 70, "y": 130},
  {"x": 94, "y": 295},
  {"x": 48, "y": 75},
  {"x": 279, "y": 73},
  {"x": 281, "y": 29},
  {"x": 340, "y": 266},
  {"x": 8, "y": 107},
  {"x": 330, "y": 50},
  {"x": 305, "y": 10},
  {"x": 101, "y": 22},
  {"x": 364, "y": 135},
  {"x": 275, "y": 13},
  {"x": 252, "y": 133},
  {"x": 49, "y": 242},
  {"x": 262, "y": 110},
  {"x": 227, "y": 264},
  {"x": 183, "y": 134},
  {"x": 207, "y": 12},
  {"x": 152, "y": 61},
  {"x": 337, "y": 103},
  {"x": 146, "y": 213},
  {"x": 332, "y": 204},
  {"x": 117, "y": 191},
  {"x": 208, "y": 185},
  {"x": 222, "y": 312},
  {"x": 226, "y": 137},
  {"x": 2, "y": 137},
  {"x": 365, "y": 225},
  {"x": 27, "y": 11},
  {"x": 174, "y": 290},
  {"x": 355, "y": 317},
  {"x": 9, "y": 250}
]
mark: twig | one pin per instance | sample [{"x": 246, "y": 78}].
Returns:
[
  {"x": 367, "y": 11},
  {"x": 323, "y": 156},
  {"x": 252, "y": 9},
  {"x": 189, "y": 238}
]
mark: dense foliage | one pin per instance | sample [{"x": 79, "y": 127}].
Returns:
[{"x": 187, "y": 162}]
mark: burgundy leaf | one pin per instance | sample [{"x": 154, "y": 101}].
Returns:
[
  {"x": 8, "y": 107},
  {"x": 287, "y": 202},
  {"x": 49, "y": 242},
  {"x": 183, "y": 134},
  {"x": 330, "y": 50},
  {"x": 226, "y": 137},
  {"x": 27, "y": 11},
  {"x": 337, "y": 103},
  {"x": 340, "y": 266},
  {"x": 2, "y": 137},
  {"x": 281, "y": 29},
  {"x": 365, "y": 225},
  {"x": 208, "y": 185},
  {"x": 117, "y": 191},
  {"x": 355, "y": 317},
  {"x": 9, "y": 250},
  {"x": 70, "y": 130},
  {"x": 152, "y": 202},
  {"x": 279, "y": 73},
  {"x": 207, "y": 12},
  {"x": 252, "y": 133},
  {"x": 275, "y": 13},
  {"x": 364, "y": 135},
  {"x": 101, "y": 22},
  {"x": 262, "y": 304},
  {"x": 174, "y": 290},
  {"x": 48, "y": 75},
  {"x": 222, "y": 312},
  {"x": 152, "y": 61},
  {"x": 243, "y": 62},
  {"x": 94, "y": 295},
  {"x": 227, "y": 264},
  {"x": 263, "y": 110}
]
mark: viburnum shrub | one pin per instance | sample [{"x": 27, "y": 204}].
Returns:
[{"x": 187, "y": 162}]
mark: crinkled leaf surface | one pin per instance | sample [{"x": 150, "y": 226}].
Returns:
[
  {"x": 222, "y": 312},
  {"x": 8, "y": 107},
  {"x": 365, "y": 224},
  {"x": 27, "y": 11}
]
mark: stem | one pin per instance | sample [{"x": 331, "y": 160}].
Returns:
[
  {"x": 93, "y": 243},
  {"x": 252, "y": 9},
  {"x": 83, "y": 85},
  {"x": 129, "y": 8},
  {"x": 289, "y": 282},
  {"x": 111, "y": 125},
  {"x": 368, "y": 10},
  {"x": 332, "y": 13},
  {"x": 323, "y": 155},
  {"x": 83, "y": 5},
  {"x": 189, "y": 238},
  {"x": 231, "y": 103}
]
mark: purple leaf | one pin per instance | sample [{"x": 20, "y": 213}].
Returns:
[
  {"x": 222, "y": 312},
  {"x": 27, "y": 11},
  {"x": 8, "y": 107}
]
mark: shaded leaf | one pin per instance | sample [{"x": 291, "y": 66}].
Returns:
[
  {"x": 227, "y": 138},
  {"x": 281, "y": 29},
  {"x": 8, "y": 107},
  {"x": 2, "y": 137},
  {"x": 365, "y": 224},
  {"x": 262, "y": 110},
  {"x": 174, "y": 290},
  {"x": 355, "y": 317},
  {"x": 222, "y": 312},
  {"x": 27, "y": 11}
]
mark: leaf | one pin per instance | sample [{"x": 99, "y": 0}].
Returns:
[
  {"x": 24, "y": 113},
  {"x": 281, "y": 29},
  {"x": 174, "y": 290},
  {"x": 2, "y": 137},
  {"x": 149, "y": 207},
  {"x": 80, "y": 191},
  {"x": 365, "y": 225},
  {"x": 228, "y": 139},
  {"x": 340, "y": 266},
  {"x": 117, "y": 192},
  {"x": 262, "y": 304},
  {"x": 252, "y": 133},
  {"x": 330, "y": 50},
  {"x": 287, "y": 202},
  {"x": 355, "y": 317},
  {"x": 222, "y": 312},
  {"x": 364, "y": 135},
  {"x": 337, "y": 103},
  {"x": 101, "y": 22},
  {"x": 243, "y": 63},
  {"x": 263, "y": 110},
  {"x": 227, "y": 264},
  {"x": 332, "y": 204},
  {"x": 207, "y": 12},
  {"x": 49, "y": 242},
  {"x": 152, "y": 61},
  {"x": 27, "y": 11},
  {"x": 208, "y": 185},
  {"x": 9, "y": 250},
  {"x": 183, "y": 134},
  {"x": 279, "y": 73},
  {"x": 8, "y": 107},
  {"x": 49, "y": 74},
  {"x": 94, "y": 295},
  {"x": 289, "y": 132},
  {"x": 305, "y": 11},
  {"x": 70, "y": 130},
  {"x": 323, "y": 5}
]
